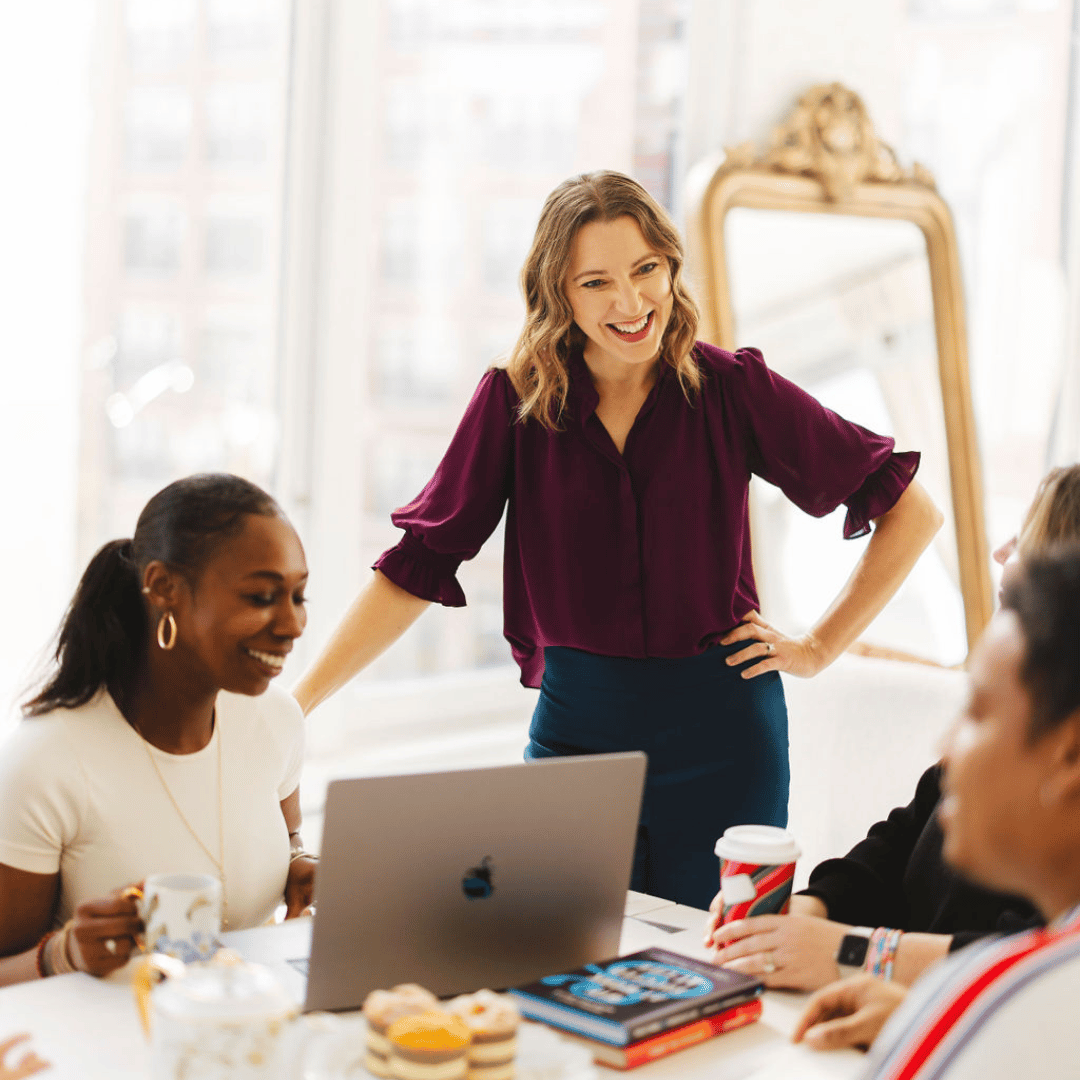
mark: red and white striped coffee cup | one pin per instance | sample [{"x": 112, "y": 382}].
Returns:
[{"x": 757, "y": 866}]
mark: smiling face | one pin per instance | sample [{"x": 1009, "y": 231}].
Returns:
[
  {"x": 238, "y": 623},
  {"x": 992, "y": 810},
  {"x": 619, "y": 289}
]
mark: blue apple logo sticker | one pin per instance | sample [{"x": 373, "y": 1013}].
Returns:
[{"x": 476, "y": 884}]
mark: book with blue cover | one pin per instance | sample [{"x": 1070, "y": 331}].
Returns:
[{"x": 629, "y": 998}]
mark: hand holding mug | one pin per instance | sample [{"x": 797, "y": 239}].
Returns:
[{"x": 103, "y": 932}]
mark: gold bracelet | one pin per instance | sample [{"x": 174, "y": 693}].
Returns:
[{"x": 300, "y": 853}]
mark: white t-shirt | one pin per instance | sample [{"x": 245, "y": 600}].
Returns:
[{"x": 79, "y": 795}]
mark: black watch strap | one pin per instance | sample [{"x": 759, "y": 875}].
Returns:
[{"x": 853, "y": 947}]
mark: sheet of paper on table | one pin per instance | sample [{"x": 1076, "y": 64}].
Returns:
[{"x": 88, "y": 1028}]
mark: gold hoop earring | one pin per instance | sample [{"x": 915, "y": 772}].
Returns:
[{"x": 166, "y": 620}]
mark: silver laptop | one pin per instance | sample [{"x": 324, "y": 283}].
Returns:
[{"x": 471, "y": 878}]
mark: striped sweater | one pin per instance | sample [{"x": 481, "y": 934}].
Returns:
[{"x": 1002, "y": 1007}]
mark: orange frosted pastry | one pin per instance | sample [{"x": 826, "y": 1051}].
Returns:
[
  {"x": 381, "y": 1009},
  {"x": 431, "y": 1046},
  {"x": 493, "y": 1020}
]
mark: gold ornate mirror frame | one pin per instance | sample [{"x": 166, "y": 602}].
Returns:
[{"x": 826, "y": 159}]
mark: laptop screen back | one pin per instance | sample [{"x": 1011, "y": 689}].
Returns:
[{"x": 479, "y": 877}]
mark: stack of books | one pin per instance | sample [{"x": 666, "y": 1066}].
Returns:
[{"x": 637, "y": 1008}]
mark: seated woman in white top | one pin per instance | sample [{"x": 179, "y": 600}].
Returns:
[
  {"x": 1010, "y": 810},
  {"x": 156, "y": 744}
]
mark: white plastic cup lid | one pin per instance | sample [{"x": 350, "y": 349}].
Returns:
[{"x": 762, "y": 845}]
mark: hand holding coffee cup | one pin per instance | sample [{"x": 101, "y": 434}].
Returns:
[
  {"x": 757, "y": 867},
  {"x": 182, "y": 913}
]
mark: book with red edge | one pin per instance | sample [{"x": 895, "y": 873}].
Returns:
[
  {"x": 630, "y": 998},
  {"x": 671, "y": 1041}
]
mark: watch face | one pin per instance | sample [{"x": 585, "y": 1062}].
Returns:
[{"x": 853, "y": 950}]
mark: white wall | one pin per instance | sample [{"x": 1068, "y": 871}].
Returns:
[{"x": 753, "y": 58}]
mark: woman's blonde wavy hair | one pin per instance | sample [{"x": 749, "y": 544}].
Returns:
[
  {"x": 1054, "y": 514},
  {"x": 537, "y": 364}
]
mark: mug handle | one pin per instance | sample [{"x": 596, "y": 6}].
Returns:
[
  {"x": 135, "y": 892},
  {"x": 150, "y": 971}
]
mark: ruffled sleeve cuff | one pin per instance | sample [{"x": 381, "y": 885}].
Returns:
[
  {"x": 879, "y": 492},
  {"x": 426, "y": 574}
]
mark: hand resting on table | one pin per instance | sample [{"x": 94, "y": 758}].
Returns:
[{"x": 848, "y": 1013}]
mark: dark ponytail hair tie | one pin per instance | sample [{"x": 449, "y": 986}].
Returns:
[{"x": 125, "y": 554}]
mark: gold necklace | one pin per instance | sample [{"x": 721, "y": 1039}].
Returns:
[{"x": 218, "y": 863}]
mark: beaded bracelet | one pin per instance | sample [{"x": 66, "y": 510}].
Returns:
[
  {"x": 881, "y": 953},
  {"x": 875, "y": 954},
  {"x": 39, "y": 956},
  {"x": 891, "y": 946}
]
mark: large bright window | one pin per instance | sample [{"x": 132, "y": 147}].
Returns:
[{"x": 185, "y": 206}]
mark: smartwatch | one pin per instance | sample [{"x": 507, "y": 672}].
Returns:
[{"x": 853, "y": 947}]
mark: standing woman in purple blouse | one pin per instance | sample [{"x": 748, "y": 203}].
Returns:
[{"x": 622, "y": 450}]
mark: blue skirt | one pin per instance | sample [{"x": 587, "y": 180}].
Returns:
[{"x": 717, "y": 747}]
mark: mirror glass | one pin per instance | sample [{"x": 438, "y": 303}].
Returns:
[{"x": 842, "y": 306}]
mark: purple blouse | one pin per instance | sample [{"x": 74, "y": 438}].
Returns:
[{"x": 644, "y": 553}]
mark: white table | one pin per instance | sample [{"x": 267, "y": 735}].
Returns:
[{"x": 89, "y": 1029}]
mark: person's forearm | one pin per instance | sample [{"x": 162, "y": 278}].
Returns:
[
  {"x": 900, "y": 536},
  {"x": 808, "y": 905},
  {"x": 376, "y": 619},
  {"x": 915, "y": 953},
  {"x": 19, "y": 968}
]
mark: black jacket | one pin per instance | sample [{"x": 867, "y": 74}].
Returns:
[{"x": 896, "y": 877}]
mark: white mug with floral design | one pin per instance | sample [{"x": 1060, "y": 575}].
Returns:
[{"x": 182, "y": 913}]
